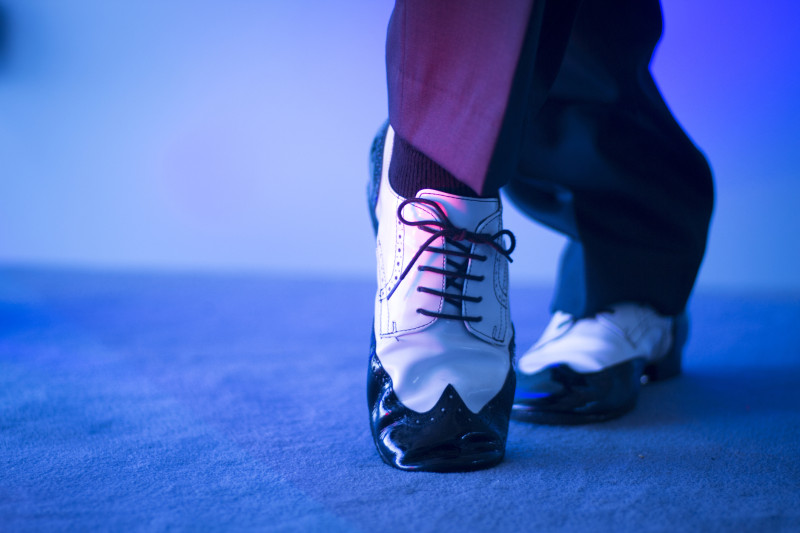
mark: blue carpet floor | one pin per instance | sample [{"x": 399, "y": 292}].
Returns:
[{"x": 196, "y": 402}]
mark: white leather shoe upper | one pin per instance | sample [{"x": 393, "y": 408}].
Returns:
[
  {"x": 595, "y": 343},
  {"x": 423, "y": 354}
]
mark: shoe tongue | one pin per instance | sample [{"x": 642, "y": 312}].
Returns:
[{"x": 462, "y": 211}]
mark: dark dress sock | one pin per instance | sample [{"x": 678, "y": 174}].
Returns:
[{"x": 410, "y": 171}]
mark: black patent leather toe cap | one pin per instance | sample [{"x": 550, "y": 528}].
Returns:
[
  {"x": 557, "y": 394},
  {"x": 447, "y": 438}
]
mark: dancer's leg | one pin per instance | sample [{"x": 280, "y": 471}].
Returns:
[
  {"x": 605, "y": 162},
  {"x": 441, "y": 382}
]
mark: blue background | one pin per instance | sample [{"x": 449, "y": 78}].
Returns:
[{"x": 211, "y": 135}]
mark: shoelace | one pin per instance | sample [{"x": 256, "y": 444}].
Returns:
[{"x": 453, "y": 235}]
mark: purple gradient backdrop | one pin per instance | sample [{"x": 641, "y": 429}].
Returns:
[{"x": 233, "y": 135}]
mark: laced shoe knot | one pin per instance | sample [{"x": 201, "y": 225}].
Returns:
[{"x": 456, "y": 273}]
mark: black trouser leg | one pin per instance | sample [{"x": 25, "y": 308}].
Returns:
[{"x": 603, "y": 161}]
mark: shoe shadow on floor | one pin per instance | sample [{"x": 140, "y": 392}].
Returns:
[
  {"x": 710, "y": 396},
  {"x": 740, "y": 413}
]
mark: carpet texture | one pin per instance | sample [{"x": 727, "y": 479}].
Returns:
[{"x": 199, "y": 402}]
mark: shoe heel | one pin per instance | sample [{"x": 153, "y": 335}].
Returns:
[
  {"x": 375, "y": 170},
  {"x": 671, "y": 364}
]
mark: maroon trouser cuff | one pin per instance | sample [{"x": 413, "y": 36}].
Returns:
[{"x": 450, "y": 66}]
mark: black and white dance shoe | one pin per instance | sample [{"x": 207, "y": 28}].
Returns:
[
  {"x": 591, "y": 369},
  {"x": 440, "y": 382}
]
